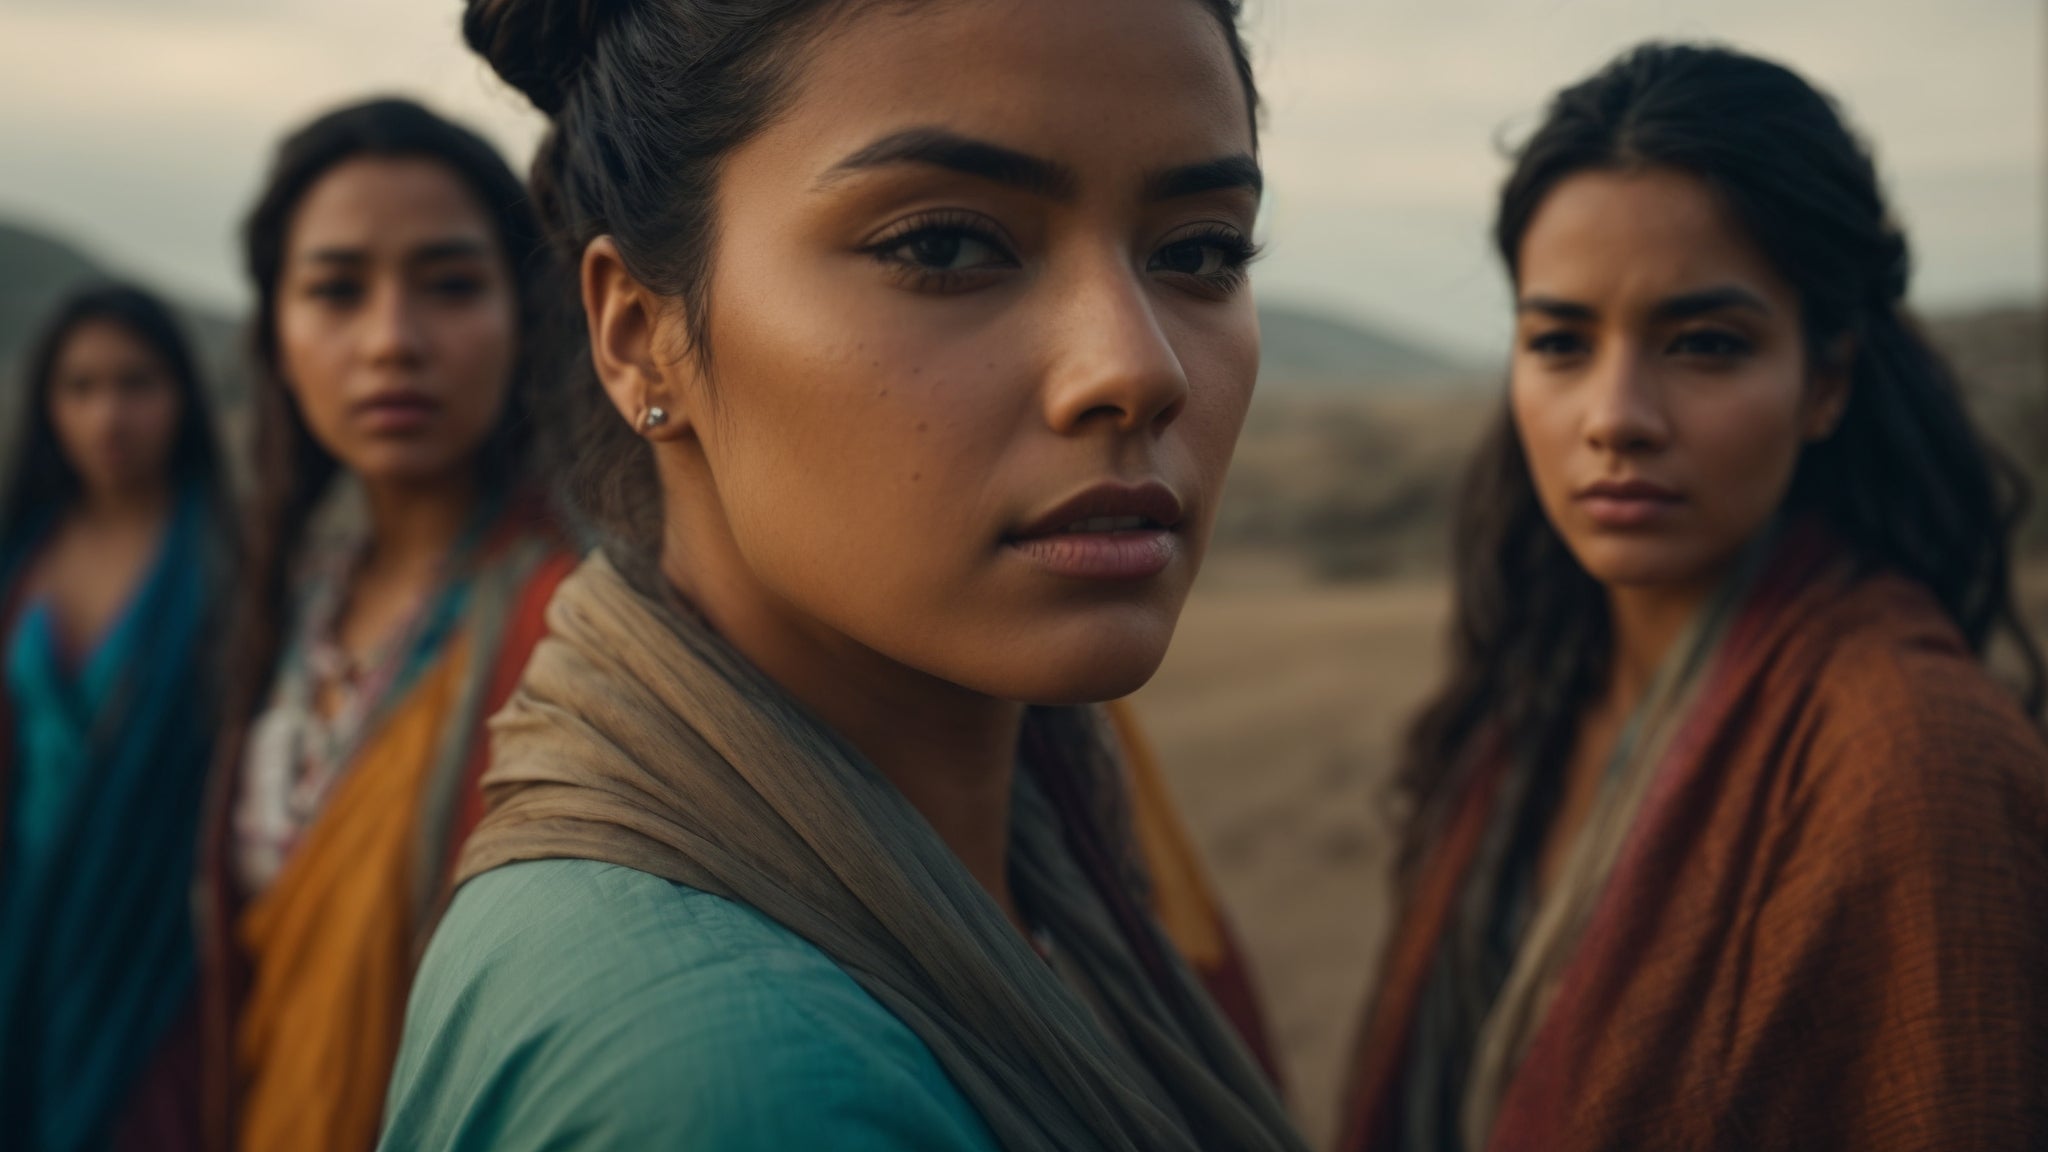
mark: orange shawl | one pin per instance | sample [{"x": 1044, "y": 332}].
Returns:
[
  {"x": 1182, "y": 898},
  {"x": 306, "y": 983},
  {"x": 1828, "y": 927}
]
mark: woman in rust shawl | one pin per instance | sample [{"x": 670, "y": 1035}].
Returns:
[
  {"x": 1726, "y": 838},
  {"x": 401, "y": 571}
]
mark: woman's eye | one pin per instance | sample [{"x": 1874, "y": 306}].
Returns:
[
  {"x": 1218, "y": 259},
  {"x": 1710, "y": 344},
  {"x": 1196, "y": 258},
  {"x": 1556, "y": 344},
  {"x": 457, "y": 287},
  {"x": 334, "y": 291},
  {"x": 946, "y": 250}
]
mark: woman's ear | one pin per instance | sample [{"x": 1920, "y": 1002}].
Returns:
[
  {"x": 626, "y": 319},
  {"x": 1827, "y": 390}
]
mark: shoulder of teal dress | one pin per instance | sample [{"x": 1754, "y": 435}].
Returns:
[{"x": 571, "y": 1005}]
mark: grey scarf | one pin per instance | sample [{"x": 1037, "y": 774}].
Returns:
[{"x": 638, "y": 738}]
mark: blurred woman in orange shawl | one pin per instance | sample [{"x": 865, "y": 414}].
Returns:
[
  {"x": 401, "y": 564},
  {"x": 1726, "y": 837}
]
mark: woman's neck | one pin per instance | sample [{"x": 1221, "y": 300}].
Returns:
[
  {"x": 414, "y": 526},
  {"x": 1647, "y": 623},
  {"x": 126, "y": 507},
  {"x": 951, "y": 752}
]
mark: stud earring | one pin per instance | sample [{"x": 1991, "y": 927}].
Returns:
[{"x": 656, "y": 417}]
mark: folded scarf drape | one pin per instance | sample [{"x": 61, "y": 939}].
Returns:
[{"x": 638, "y": 738}]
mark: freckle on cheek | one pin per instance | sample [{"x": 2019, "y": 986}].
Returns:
[{"x": 921, "y": 425}]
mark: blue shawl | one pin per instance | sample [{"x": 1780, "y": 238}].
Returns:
[{"x": 98, "y": 836}]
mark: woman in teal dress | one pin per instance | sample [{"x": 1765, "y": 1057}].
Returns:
[
  {"x": 115, "y": 546},
  {"x": 922, "y": 335}
]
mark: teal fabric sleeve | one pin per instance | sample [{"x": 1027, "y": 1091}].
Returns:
[{"x": 573, "y": 1006}]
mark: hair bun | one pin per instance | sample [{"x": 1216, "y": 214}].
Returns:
[{"x": 537, "y": 46}]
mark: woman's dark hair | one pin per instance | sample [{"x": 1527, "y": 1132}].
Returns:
[
  {"x": 293, "y": 471},
  {"x": 1904, "y": 479},
  {"x": 645, "y": 99},
  {"x": 43, "y": 481}
]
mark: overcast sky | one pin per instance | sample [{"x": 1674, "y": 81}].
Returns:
[{"x": 140, "y": 128}]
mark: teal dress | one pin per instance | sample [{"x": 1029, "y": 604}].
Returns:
[
  {"x": 100, "y": 787},
  {"x": 570, "y": 1005}
]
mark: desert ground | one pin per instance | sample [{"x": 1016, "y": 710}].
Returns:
[{"x": 1276, "y": 715}]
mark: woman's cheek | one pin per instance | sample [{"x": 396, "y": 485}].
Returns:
[
  {"x": 161, "y": 412},
  {"x": 1544, "y": 429},
  {"x": 1750, "y": 451},
  {"x": 481, "y": 359},
  {"x": 315, "y": 359}
]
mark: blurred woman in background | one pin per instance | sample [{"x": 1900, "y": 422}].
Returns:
[
  {"x": 1727, "y": 839},
  {"x": 921, "y": 335},
  {"x": 400, "y": 560},
  {"x": 115, "y": 553}
]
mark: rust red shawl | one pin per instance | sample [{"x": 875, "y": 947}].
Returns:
[{"x": 1828, "y": 927}]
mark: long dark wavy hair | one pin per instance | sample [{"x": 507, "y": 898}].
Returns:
[
  {"x": 293, "y": 471},
  {"x": 1905, "y": 480},
  {"x": 42, "y": 481},
  {"x": 645, "y": 98}
]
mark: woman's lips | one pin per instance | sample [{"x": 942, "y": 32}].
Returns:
[
  {"x": 1628, "y": 504},
  {"x": 1116, "y": 554},
  {"x": 1109, "y": 531},
  {"x": 396, "y": 412}
]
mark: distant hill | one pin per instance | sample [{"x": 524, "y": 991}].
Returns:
[
  {"x": 38, "y": 270},
  {"x": 1310, "y": 350},
  {"x": 35, "y": 271}
]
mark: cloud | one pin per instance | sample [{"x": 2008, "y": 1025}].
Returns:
[
  {"x": 143, "y": 127},
  {"x": 1384, "y": 116}
]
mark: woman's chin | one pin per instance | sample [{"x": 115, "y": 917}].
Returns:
[
  {"x": 1102, "y": 667},
  {"x": 1102, "y": 656},
  {"x": 1646, "y": 565},
  {"x": 404, "y": 464}
]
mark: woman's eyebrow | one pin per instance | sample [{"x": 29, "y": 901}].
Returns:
[
  {"x": 1683, "y": 306},
  {"x": 335, "y": 254},
  {"x": 1689, "y": 304},
  {"x": 1223, "y": 174},
  {"x": 427, "y": 252},
  {"x": 1555, "y": 308},
  {"x": 940, "y": 148},
  {"x": 452, "y": 248}
]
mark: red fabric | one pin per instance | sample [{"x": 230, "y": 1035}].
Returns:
[
  {"x": 526, "y": 628},
  {"x": 162, "y": 1112},
  {"x": 1829, "y": 926},
  {"x": 1382, "y": 1049}
]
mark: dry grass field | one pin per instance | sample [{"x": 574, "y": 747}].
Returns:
[{"x": 1276, "y": 715}]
